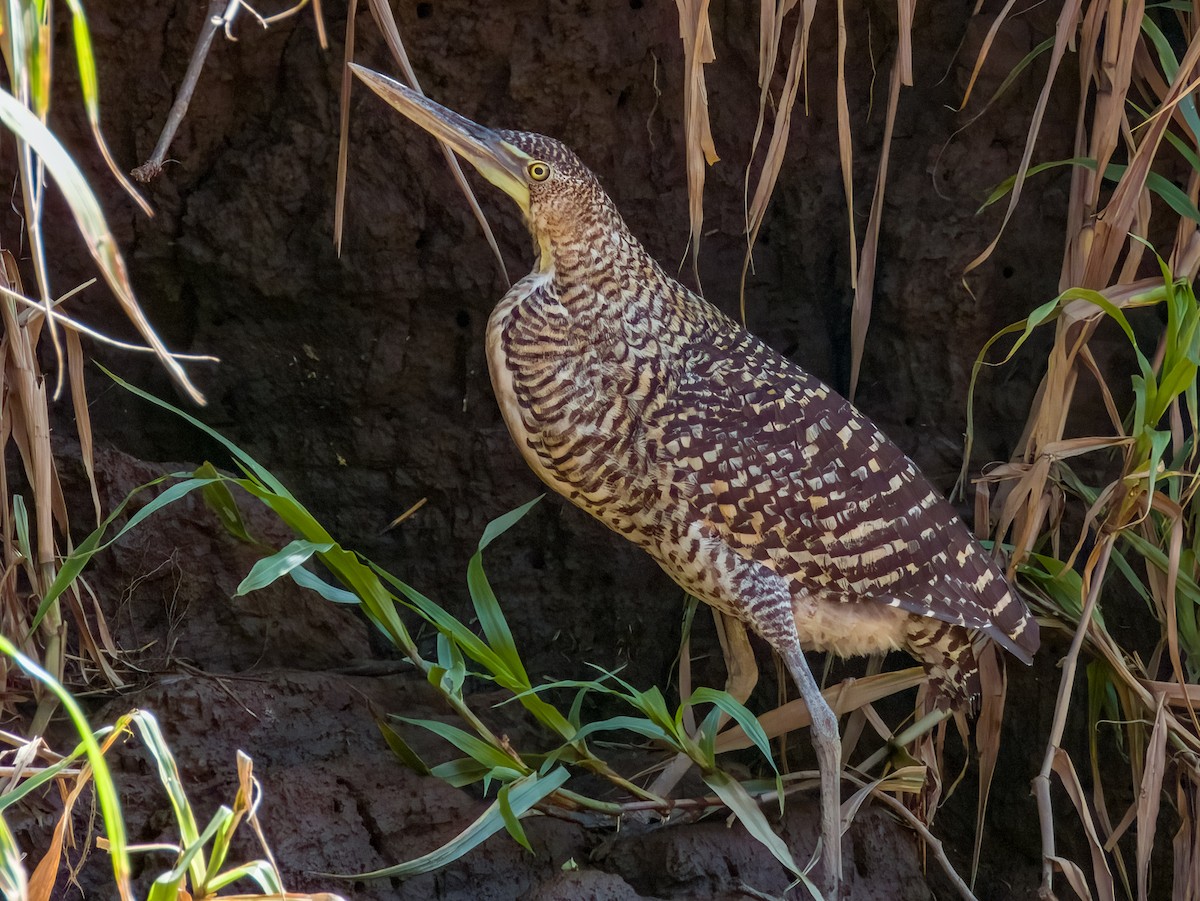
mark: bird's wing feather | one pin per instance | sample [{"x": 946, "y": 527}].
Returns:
[{"x": 791, "y": 474}]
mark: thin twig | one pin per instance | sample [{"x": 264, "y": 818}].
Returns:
[
  {"x": 931, "y": 841},
  {"x": 150, "y": 169}
]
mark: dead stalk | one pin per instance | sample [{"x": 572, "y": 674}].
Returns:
[{"x": 1041, "y": 782}]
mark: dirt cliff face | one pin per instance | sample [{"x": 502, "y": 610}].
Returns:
[{"x": 360, "y": 379}]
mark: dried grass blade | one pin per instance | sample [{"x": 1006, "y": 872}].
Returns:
[
  {"x": 88, "y": 642},
  {"x": 343, "y": 163},
  {"x": 994, "y": 680},
  {"x": 848, "y": 695},
  {"x": 772, "y": 14},
  {"x": 846, "y": 142},
  {"x": 1093, "y": 577},
  {"x": 93, "y": 227},
  {"x": 1120, "y": 38},
  {"x": 773, "y": 162},
  {"x": 768, "y": 43},
  {"x": 1065, "y": 771},
  {"x": 382, "y": 14},
  {"x": 45, "y": 874},
  {"x": 1175, "y": 694},
  {"x": 1149, "y": 798},
  {"x": 984, "y": 49},
  {"x": 1183, "y": 844},
  {"x": 1112, "y": 230},
  {"x": 905, "y": 10},
  {"x": 1063, "y": 34},
  {"x": 83, "y": 417},
  {"x": 858, "y": 719},
  {"x": 860, "y": 317},
  {"x": 31, "y": 428},
  {"x": 1110, "y": 405},
  {"x": 319, "y": 21},
  {"x": 696, "y": 34}
]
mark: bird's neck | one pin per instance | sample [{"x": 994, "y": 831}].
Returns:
[{"x": 595, "y": 266}]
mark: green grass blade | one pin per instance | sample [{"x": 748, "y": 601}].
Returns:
[
  {"x": 738, "y": 712},
  {"x": 260, "y": 871},
  {"x": 269, "y": 569},
  {"x": 168, "y": 775},
  {"x": 444, "y": 621},
  {"x": 13, "y": 879},
  {"x": 169, "y": 886},
  {"x": 451, "y": 671},
  {"x": 307, "y": 579},
  {"x": 259, "y": 472},
  {"x": 629, "y": 724},
  {"x": 487, "y": 607},
  {"x": 398, "y": 746},
  {"x": 461, "y": 772},
  {"x": 74, "y": 563},
  {"x": 106, "y": 791},
  {"x": 522, "y": 796},
  {"x": 220, "y": 500},
  {"x": 511, "y": 821},
  {"x": 21, "y": 521},
  {"x": 476, "y": 748},
  {"x": 739, "y": 802}
]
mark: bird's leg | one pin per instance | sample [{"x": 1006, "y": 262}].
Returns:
[
  {"x": 741, "y": 677},
  {"x": 828, "y": 746}
]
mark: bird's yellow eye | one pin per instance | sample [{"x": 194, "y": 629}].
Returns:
[{"x": 538, "y": 171}]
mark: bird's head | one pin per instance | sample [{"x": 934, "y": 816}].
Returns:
[{"x": 561, "y": 199}]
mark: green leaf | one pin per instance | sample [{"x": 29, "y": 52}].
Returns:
[
  {"x": 738, "y": 712},
  {"x": 478, "y": 749},
  {"x": 168, "y": 775},
  {"x": 739, "y": 802},
  {"x": 511, "y": 822},
  {"x": 708, "y": 738},
  {"x": 21, "y": 520},
  {"x": 630, "y": 724},
  {"x": 1170, "y": 67},
  {"x": 652, "y": 703},
  {"x": 260, "y": 871},
  {"x": 279, "y": 564},
  {"x": 1026, "y": 327},
  {"x": 472, "y": 645},
  {"x": 522, "y": 796},
  {"x": 74, "y": 564},
  {"x": 487, "y": 607},
  {"x": 1172, "y": 195},
  {"x": 495, "y": 627},
  {"x": 220, "y": 500},
  {"x": 105, "y": 788},
  {"x": 460, "y": 772},
  {"x": 398, "y": 746},
  {"x": 13, "y": 882},
  {"x": 307, "y": 579},
  {"x": 167, "y": 886},
  {"x": 1002, "y": 190},
  {"x": 259, "y": 472},
  {"x": 451, "y": 672}
]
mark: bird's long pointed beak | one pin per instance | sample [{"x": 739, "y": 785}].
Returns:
[{"x": 497, "y": 160}]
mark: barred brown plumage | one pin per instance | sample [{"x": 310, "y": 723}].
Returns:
[{"x": 756, "y": 487}]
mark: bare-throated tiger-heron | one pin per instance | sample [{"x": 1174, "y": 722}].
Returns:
[{"x": 756, "y": 487}]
